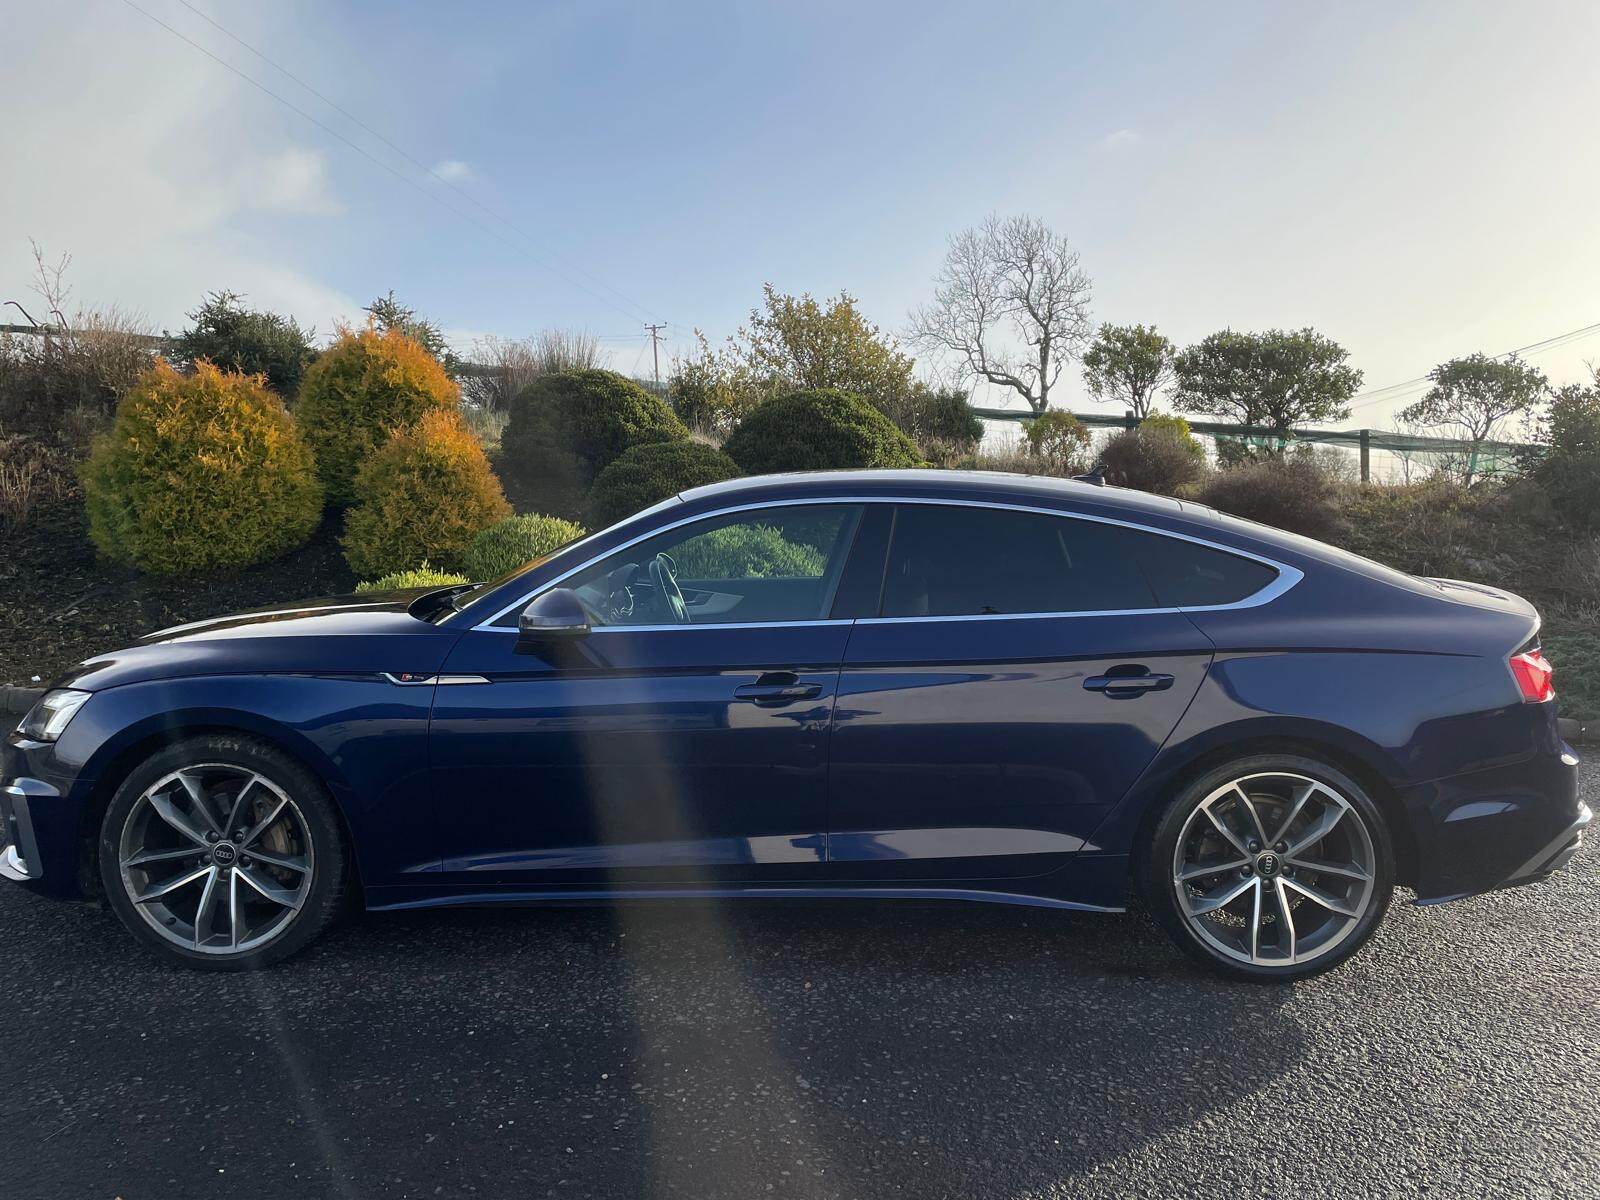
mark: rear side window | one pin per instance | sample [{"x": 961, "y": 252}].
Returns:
[
  {"x": 1189, "y": 575},
  {"x": 958, "y": 561},
  {"x": 947, "y": 561}
]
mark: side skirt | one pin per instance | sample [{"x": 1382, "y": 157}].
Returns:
[{"x": 377, "y": 902}]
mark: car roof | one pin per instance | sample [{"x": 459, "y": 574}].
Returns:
[{"x": 989, "y": 485}]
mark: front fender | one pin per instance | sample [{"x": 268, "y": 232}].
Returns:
[{"x": 364, "y": 737}]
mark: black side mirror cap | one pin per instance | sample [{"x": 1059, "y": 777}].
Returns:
[{"x": 556, "y": 615}]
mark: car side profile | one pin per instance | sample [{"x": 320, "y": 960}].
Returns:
[{"x": 915, "y": 684}]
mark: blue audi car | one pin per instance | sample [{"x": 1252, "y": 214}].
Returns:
[{"x": 920, "y": 684}]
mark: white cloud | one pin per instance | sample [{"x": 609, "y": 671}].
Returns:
[
  {"x": 453, "y": 170},
  {"x": 294, "y": 180},
  {"x": 154, "y": 199},
  {"x": 1121, "y": 139}
]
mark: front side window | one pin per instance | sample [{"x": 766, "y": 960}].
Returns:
[
  {"x": 947, "y": 561},
  {"x": 776, "y": 564}
]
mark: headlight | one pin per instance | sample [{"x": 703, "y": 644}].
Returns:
[{"x": 48, "y": 719}]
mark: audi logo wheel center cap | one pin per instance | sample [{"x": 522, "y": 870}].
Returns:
[
  {"x": 1269, "y": 865},
  {"x": 223, "y": 853}
]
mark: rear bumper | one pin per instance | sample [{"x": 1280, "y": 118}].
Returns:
[{"x": 1494, "y": 828}]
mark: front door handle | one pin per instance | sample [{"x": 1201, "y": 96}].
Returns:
[
  {"x": 1124, "y": 683},
  {"x": 775, "y": 688}
]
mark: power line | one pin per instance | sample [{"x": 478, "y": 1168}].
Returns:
[
  {"x": 400, "y": 175},
  {"x": 1378, "y": 395}
]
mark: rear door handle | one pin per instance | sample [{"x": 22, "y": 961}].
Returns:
[
  {"x": 1124, "y": 683},
  {"x": 776, "y": 688}
]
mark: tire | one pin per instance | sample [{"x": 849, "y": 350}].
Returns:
[
  {"x": 1322, "y": 868},
  {"x": 222, "y": 853}
]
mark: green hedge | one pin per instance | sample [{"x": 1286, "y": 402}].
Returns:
[
  {"x": 565, "y": 429},
  {"x": 510, "y": 544},
  {"x": 818, "y": 430},
  {"x": 646, "y": 474}
]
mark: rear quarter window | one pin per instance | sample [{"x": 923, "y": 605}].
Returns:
[{"x": 1188, "y": 575}]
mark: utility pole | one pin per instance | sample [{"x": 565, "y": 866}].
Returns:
[{"x": 655, "y": 348}]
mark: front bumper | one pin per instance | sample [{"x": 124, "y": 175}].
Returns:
[{"x": 1494, "y": 828}]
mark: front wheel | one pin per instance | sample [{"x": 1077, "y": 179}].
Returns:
[
  {"x": 222, "y": 853},
  {"x": 1269, "y": 867}
]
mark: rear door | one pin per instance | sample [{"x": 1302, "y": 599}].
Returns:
[{"x": 1020, "y": 673}]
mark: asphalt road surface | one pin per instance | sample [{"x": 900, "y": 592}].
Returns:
[{"x": 831, "y": 1049}]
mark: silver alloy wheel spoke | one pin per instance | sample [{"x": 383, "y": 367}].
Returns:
[
  {"x": 265, "y": 823},
  {"x": 1274, "y": 908},
  {"x": 1222, "y": 897},
  {"x": 172, "y": 885},
  {"x": 277, "y": 860},
  {"x": 1250, "y": 807},
  {"x": 197, "y": 798},
  {"x": 1302, "y": 794},
  {"x": 1348, "y": 870},
  {"x": 1225, "y": 831},
  {"x": 238, "y": 804},
  {"x": 1331, "y": 903},
  {"x": 205, "y": 910},
  {"x": 182, "y": 850},
  {"x": 156, "y": 856},
  {"x": 1201, "y": 870},
  {"x": 164, "y": 808},
  {"x": 1319, "y": 829},
  {"x": 1284, "y": 915},
  {"x": 287, "y": 897},
  {"x": 1255, "y": 923}
]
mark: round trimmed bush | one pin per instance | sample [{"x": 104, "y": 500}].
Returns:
[
  {"x": 817, "y": 431},
  {"x": 747, "y": 552},
  {"x": 200, "y": 472},
  {"x": 511, "y": 544},
  {"x": 421, "y": 497},
  {"x": 646, "y": 474},
  {"x": 565, "y": 429},
  {"x": 358, "y": 391},
  {"x": 421, "y": 577},
  {"x": 1158, "y": 455}
]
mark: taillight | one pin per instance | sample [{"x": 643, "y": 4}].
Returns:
[{"x": 1533, "y": 675}]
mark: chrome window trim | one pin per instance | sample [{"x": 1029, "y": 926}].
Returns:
[{"x": 1287, "y": 576}]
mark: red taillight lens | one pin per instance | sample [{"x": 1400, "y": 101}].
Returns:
[{"x": 1533, "y": 674}]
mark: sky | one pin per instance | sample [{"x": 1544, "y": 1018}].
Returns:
[{"x": 1417, "y": 181}]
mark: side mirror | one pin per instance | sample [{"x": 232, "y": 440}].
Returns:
[{"x": 554, "y": 615}]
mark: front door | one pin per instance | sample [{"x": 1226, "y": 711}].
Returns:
[
  {"x": 683, "y": 740},
  {"x": 1020, "y": 675}
]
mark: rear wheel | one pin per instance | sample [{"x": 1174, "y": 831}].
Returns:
[
  {"x": 1270, "y": 867},
  {"x": 222, "y": 853}
]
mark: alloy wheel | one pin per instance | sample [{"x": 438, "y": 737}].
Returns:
[
  {"x": 216, "y": 858},
  {"x": 1274, "y": 869}
]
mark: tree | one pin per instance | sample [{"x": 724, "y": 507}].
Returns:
[
  {"x": 1474, "y": 396},
  {"x": 1010, "y": 307},
  {"x": 1130, "y": 364},
  {"x": 1277, "y": 379},
  {"x": 1567, "y": 468},
  {"x": 248, "y": 341},
  {"x": 710, "y": 389},
  {"x": 796, "y": 344},
  {"x": 389, "y": 315}
]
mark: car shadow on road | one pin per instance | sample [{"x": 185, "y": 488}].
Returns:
[{"x": 829, "y": 1048}]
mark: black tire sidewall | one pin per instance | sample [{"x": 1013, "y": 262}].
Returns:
[
  {"x": 309, "y": 796},
  {"x": 1160, "y": 844}
]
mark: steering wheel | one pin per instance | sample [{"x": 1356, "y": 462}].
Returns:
[{"x": 663, "y": 576}]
